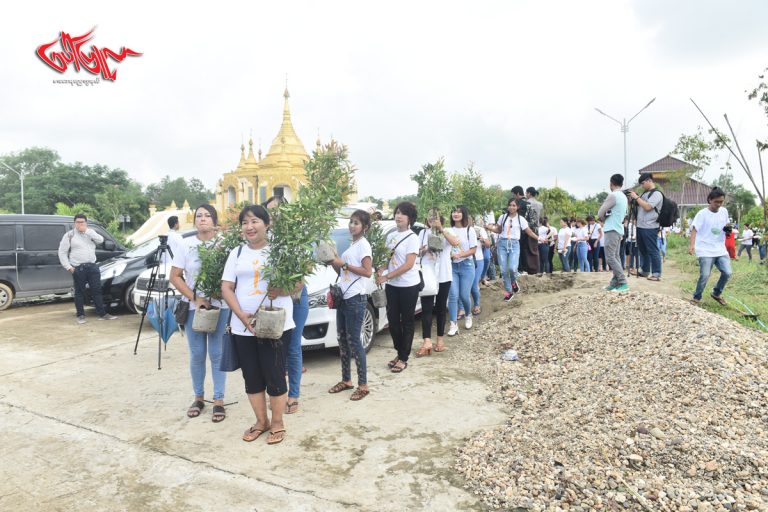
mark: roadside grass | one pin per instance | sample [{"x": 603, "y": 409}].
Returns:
[{"x": 749, "y": 284}]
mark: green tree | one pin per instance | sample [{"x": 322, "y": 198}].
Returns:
[
  {"x": 434, "y": 188},
  {"x": 468, "y": 189},
  {"x": 698, "y": 150},
  {"x": 760, "y": 94},
  {"x": 70, "y": 211},
  {"x": 557, "y": 202},
  {"x": 179, "y": 190}
]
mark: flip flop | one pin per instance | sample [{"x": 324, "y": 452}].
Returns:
[
  {"x": 219, "y": 414},
  {"x": 253, "y": 433},
  {"x": 275, "y": 437},
  {"x": 291, "y": 407},
  {"x": 195, "y": 409}
]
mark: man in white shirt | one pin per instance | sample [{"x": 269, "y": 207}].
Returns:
[
  {"x": 175, "y": 240},
  {"x": 708, "y": 243},
  {"x": 746, "y": 241}
]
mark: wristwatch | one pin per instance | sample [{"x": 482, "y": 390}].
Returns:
[{"x": 345, "y": 267}]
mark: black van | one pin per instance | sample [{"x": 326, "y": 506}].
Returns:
[{"x": 29, "y": 255}]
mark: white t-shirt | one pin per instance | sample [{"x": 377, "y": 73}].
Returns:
[
  {"x": 710, "y": 237},
  {"x": 467, "y": 240},
  {"x": 594, "y": 230},
  {"x": 747, "y": 234},
  {"x": 543, "y": 232},
  {"x": 581, "y": 232},
  {"x": 410, "y": 245},
  {"x": 552, "y": 235},
  {"x": 354, "y": 255},
  {"x": 186, "y": 258},
  {"x": 561, "y": 236},
  {"x": 479, "y": 251},
  {"x": 251, "y": 287},
  {"x": 442, "y": 260},
  {"x": 175, "y": 244},
  {"x": 511, "y": 227}
]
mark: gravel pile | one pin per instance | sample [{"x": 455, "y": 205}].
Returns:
[{"x": 622, "y": 402}]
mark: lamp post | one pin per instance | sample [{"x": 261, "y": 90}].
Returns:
[
  {"x": 21, "y": 179},
  {"x": 625, "y": 128}
]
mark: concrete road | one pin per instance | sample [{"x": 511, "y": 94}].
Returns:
[{"x": 86, "y": 425}]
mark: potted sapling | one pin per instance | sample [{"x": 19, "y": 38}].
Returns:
[
  {"x": 299, "y": 227},
  {"x": 380, "y": 257},
  {"x": 213, "y": 257},
  {"x": 435, "y": 239}
]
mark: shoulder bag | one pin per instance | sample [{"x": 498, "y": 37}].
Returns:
[{"x": 229, "y": 360}]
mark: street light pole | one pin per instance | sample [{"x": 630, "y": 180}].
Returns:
[
  {"x": 625, "y": 128},
  {"x": 21, "y": 179}
]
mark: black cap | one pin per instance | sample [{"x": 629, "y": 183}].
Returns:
[{"x": 645, "y": 177}]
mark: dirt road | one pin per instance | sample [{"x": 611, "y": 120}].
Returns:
[{"x": 89, "y": 426}]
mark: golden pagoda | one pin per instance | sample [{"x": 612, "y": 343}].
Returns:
[{"x": 279, "y": 173}]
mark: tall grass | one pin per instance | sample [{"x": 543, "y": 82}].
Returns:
[{"x": 748, "y": 285}]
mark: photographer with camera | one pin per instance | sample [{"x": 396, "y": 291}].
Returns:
[
  {"x": 612, "y": 213},
  {"x": 648, "y": 227}
]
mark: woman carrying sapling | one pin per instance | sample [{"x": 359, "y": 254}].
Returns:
[
  {"x": 435, "y": 304},
  {"x": 354, "y": 268},
  {"x": 184, "y": 271},
  {"x": 261, "y": 360},
  {"x": 402, "y": 280}
]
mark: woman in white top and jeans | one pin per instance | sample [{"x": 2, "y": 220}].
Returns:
[
  {"x": 184, "y": 271},
  {"x": 402, "y": 280},
  {"x": 463, "y": 267},
  {"x": 354, "y": 268}
]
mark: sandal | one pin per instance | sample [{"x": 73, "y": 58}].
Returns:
[
  {"x": 477, "y": 310},
  {"x": 253, "y": 433},
  {"x": 440, "y": 347},
  {"x": 195, "y": 409},
  {"x": 424, "y": 350},
  {"x": 695, "y": 302},
  {"x": 460, "y": 315},
  {"x": 392, "y": 363},
  {"x": 341, "y": 386},
  {"x": 291, "y": 407},
  {"x": 219, "y": 414},
  {"x": 719, "y": 299},
  {"x": 359, "y": 394},
  {"x": 276, "y": 436},
  {"x": 399, "y": 369}
]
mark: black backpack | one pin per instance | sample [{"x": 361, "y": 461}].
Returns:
[{"x": 668, "y": 214}]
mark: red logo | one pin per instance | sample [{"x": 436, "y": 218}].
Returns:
[{"x": 94, "y": 62}]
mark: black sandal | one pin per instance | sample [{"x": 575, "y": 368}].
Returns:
[
  {"x": 219, "y": 413},
  {"x": 195, "y": 409},
  {"x": 398, "y": 369}
]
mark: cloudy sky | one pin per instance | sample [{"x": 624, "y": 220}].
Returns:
[{"x": 510, "y": 85}]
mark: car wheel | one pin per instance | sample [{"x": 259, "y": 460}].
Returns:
[
  {"x": 128, "y": 298},
  {"x": 6, "y": 296},
  {"x": 368, "y": 331}
]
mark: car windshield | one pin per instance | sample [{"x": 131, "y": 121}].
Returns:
[
  {"x": 342, "y": 239},
  {"x": 144, "y": 249}
]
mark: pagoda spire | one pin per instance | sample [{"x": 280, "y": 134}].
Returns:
[{"x": 250, "y": 149}]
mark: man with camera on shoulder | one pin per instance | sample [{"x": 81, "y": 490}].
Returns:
[{"x": 649, "y": 204}]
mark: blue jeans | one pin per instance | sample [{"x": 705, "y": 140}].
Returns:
[
  {"x": 723, "y": 264},
  {"x": 508, "y": 252},
  {"x": 662, "y": 245},
  {"x": 761, "y": 249},
  {"x": 475, "y": 292},
  {"x": 293, "y": 356},
  {"x": 199, "y": 344},
  {"x": 564, "y": 257},
  {"x": 582, "y": 252},
  {"x": 463, "y": 277},
  {"x": 544, "y": 259},
  {"x": 650, "y": 258},
  {"x": 349, "y": 324}
]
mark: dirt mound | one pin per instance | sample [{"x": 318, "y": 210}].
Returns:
[{"x": 623, "y": 402}]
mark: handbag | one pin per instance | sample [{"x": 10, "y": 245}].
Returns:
[
  {"x": 429, "y": 285},
  {"x": 181, "y": 312},
  {"x": 335, "y": 295},
  {"x": 229, "y": 360}
]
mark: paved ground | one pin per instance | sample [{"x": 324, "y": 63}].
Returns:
[{"x": 89, "y": 426}]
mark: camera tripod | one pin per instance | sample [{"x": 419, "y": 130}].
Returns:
[{"x": 157, "y": 258}]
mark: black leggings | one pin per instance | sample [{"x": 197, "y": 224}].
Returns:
[
  {"x": 401, "y": 311},
  {"x": 437, "y": 304},
  {"x": 262, "y": 363}
]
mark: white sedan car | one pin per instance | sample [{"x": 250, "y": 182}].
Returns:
[{"x": 320, "y": 328}]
